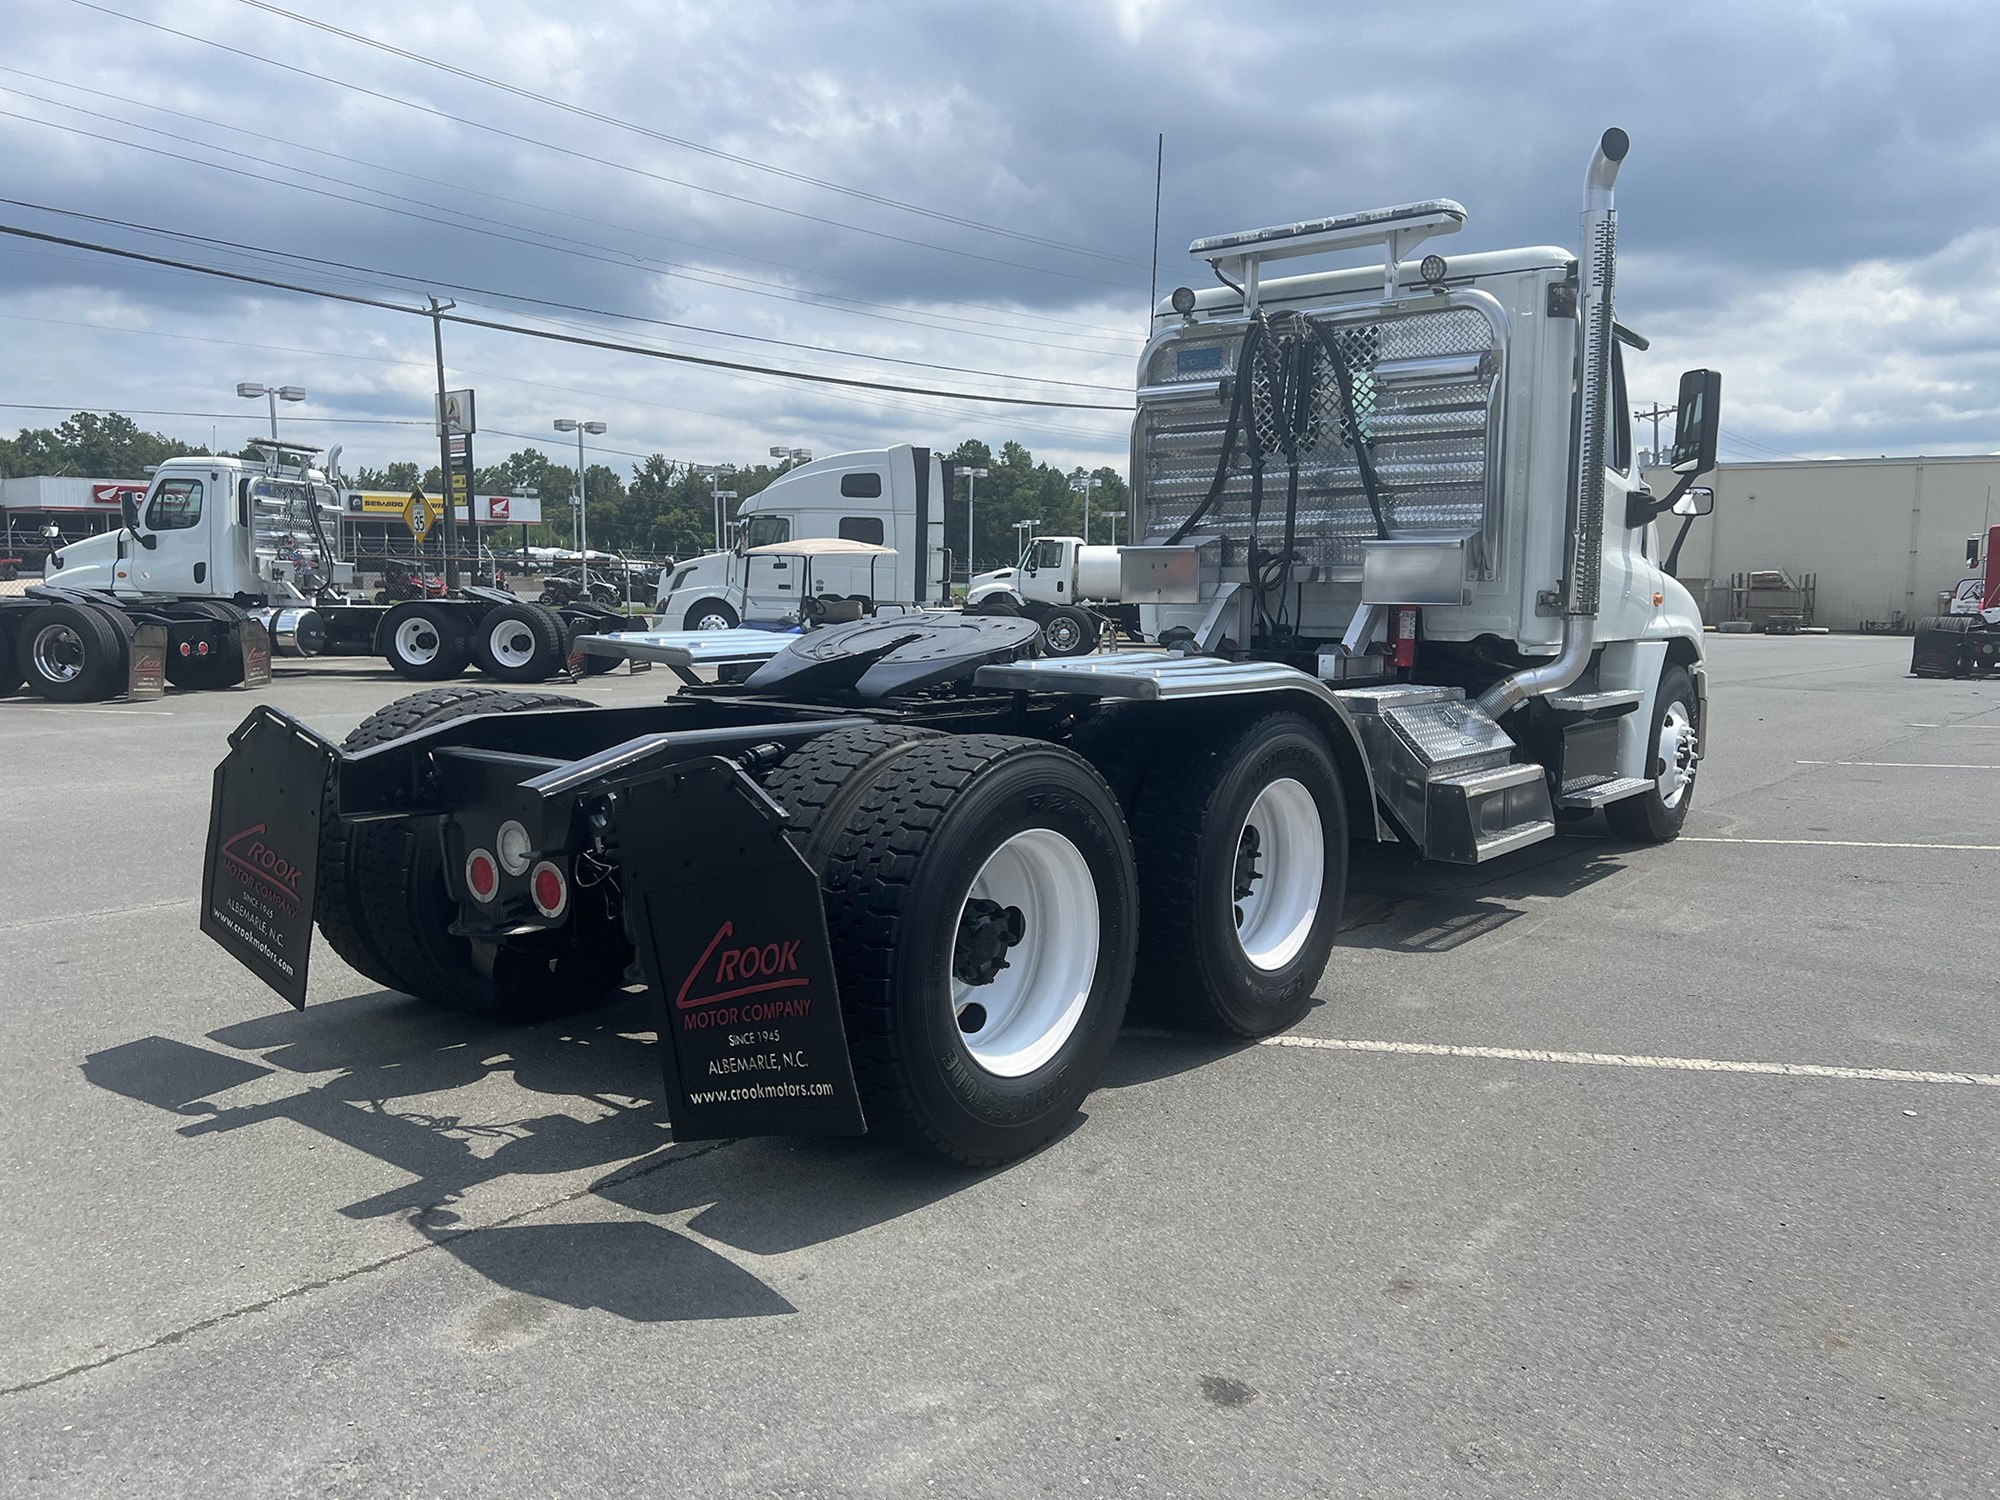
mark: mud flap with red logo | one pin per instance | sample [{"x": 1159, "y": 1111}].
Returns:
[
  {"x": 146, "y": 675},
  {"x": 257, "y": 884},
  {"x": 729, "y": 925}
]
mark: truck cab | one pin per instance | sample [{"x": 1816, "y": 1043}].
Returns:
[
  {"x": 887, "y": 497},
  {"x": 216, "y": 528}
]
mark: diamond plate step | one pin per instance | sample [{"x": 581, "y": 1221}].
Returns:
[
  {"x": 1586, "y": 795},
  {"x": 1480, "y": 815},
  {"x": 1596, "y": 705}
]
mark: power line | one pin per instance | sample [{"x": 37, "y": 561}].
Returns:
[
  {"x": 683, "y": 142},
  {"x": 141, "y": 411},
  {"x": 729, "y": 280},
  {"x": 587, "y": 156},
  {"x": 625, "y": 398},
  {"x": 403, "y": 278},
  {"x": 541, "y": 333},
  {"x": 625, "y": 264},
  {"x": 567, "y": 214}
]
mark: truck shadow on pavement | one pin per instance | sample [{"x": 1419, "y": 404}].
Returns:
[
  {"x": 1399, "y": 903},
  {"x": 437, "y": 1095},
  {"x": 455, "y": 1104}
]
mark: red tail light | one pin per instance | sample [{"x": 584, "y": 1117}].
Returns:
[
  {"x": 482, "y": 875},
  {"x": 550, "y": 888}
]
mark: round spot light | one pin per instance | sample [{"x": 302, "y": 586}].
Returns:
[
  {"x": 1432, "y": 269},
  {"x": 514, "y": 848}
]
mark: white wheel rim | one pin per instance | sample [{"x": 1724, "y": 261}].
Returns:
[
  {"x": 1679, "y": 750},
  {"x": 1019, "y": 1019},
  {"x": 1063, "y": 634},
  {"x": 1280, "y": 855},
  {"x": 58, "y": 654},
  {"x": 512, "y": 643},
  {"x": 712, "y": 622},
  {"x": 417, "y": 641}
]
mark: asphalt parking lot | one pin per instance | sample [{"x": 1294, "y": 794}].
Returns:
[{"x": 1602, "y": 1171}]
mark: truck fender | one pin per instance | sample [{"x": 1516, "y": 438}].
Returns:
[{"x": 1120, "y": 750}]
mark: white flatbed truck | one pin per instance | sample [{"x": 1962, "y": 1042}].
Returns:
[{"x": 228, "y": 561}]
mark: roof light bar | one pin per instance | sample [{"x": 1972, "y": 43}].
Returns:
[{"x": 1399, "y": 230}]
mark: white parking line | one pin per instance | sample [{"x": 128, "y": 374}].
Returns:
[
  {"x": 1900, "y": 765},
  {"x": 1622, "y": 1060},
  {"x": 1836, "y": 843}
]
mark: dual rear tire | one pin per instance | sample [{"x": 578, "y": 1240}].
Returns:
[
  {"x": 983, "y": 898},
  {"x": 982, "y": 905},
  {"x": 434, "y": 641}
]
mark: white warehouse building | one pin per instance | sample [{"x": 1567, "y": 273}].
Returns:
[{"x": 1884, "y": 535}]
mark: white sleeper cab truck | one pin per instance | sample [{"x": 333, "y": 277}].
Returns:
[
  {"x": 905, "y": 873},
  {"x": 889, "y": 497},
  {"x": 227, "y": 560}
]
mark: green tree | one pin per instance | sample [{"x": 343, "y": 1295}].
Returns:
[{"x": 90, "y": 445}]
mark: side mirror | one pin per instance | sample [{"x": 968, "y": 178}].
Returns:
[
  {"x": 1699, "y": 501},
  {"x": 1695, "y": 429}
]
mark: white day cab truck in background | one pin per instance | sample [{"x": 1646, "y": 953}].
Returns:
[
  {"x": 1400, "y": 581},
  {"x": 227, "y": 561}
]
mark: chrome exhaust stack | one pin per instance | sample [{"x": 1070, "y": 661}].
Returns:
[{"x": 1597, "y": 266}]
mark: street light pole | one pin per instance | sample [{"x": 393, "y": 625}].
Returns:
[
  {"x": 1114, "y": 517},
  {"x": 250, "y": 390},
  {"x": 972, "y": 478},
  {"x": 1086, "y": 483},
  {"x": 1022, "y": 531},
  {"x": 571, "y": 424}
]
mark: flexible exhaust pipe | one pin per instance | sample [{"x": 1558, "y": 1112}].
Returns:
[{"x": 1597, "y": 269}]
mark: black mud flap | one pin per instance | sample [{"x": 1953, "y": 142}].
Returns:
[
  {"x": 257, "y": 883},
  {"x": 728, "y": 922}
]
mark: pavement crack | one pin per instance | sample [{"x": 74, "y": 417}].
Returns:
[{"x": 437, "y": 1240}]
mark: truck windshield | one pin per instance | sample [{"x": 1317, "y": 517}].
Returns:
[{"x": 764, "y": 530}]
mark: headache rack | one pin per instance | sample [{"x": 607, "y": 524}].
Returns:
[{"x": 1428, "y": 389}]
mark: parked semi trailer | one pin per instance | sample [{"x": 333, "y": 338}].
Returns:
[
  {"x": 905, "y": 873},
  {"x": 226, "y": 561}
]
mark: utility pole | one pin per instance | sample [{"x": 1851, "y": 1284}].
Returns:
[
  {"x": 1658, "y": 411},
  {"x": 438, "y": 310}
]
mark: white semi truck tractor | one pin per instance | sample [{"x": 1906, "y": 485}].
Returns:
[
  {"x": 906, "y": 873},
  {"x": 226, "y": 562}
]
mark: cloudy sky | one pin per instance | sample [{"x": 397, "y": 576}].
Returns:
[{"x": 957, "y": 197}]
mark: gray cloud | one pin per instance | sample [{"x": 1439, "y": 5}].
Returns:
[{"x": 1792, "y": 165}]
